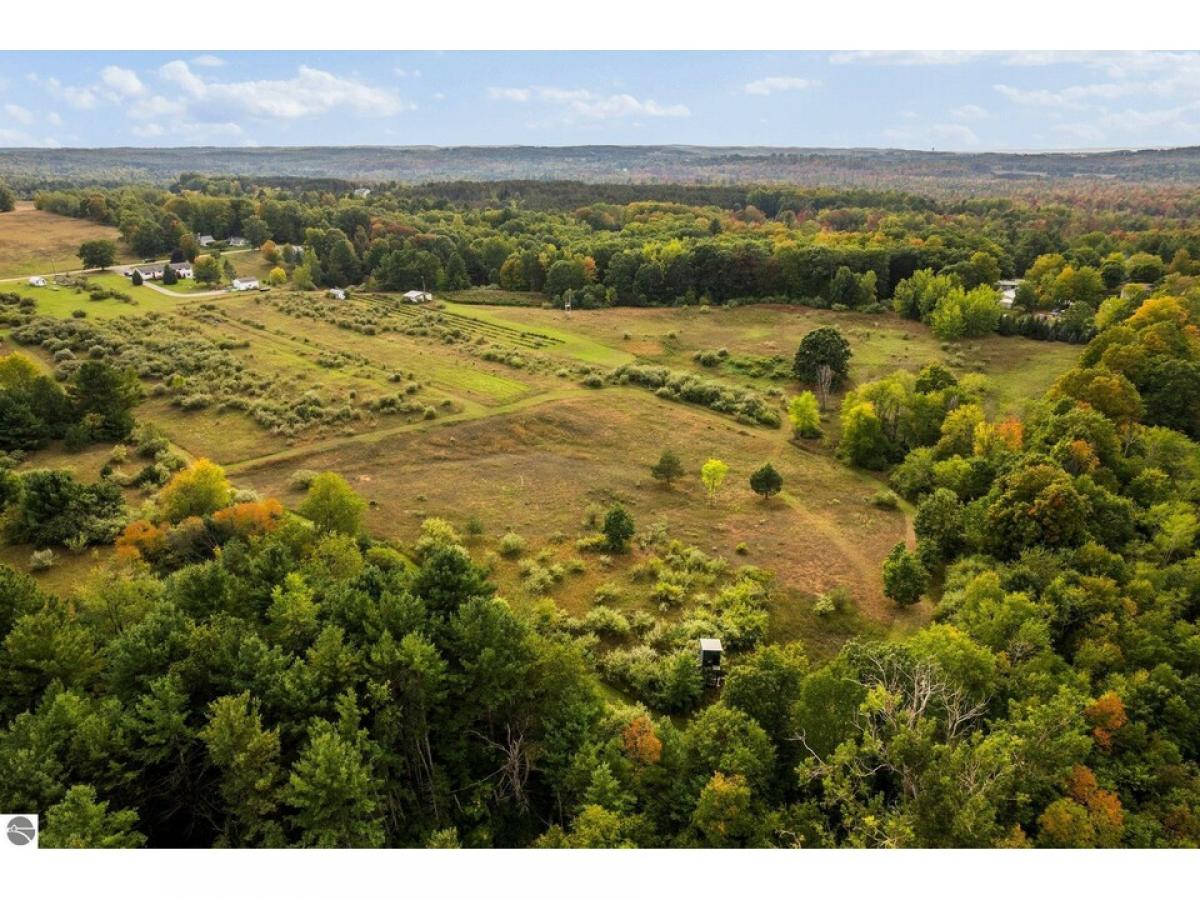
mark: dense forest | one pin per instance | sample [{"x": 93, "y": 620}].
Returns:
[
  {"x": 944, "y": 172},
  {"x": 606, "y": 245},
  {"x": 250, "y": 676}
]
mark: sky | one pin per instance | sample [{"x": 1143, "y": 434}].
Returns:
[{"x": 947, "y": 100}]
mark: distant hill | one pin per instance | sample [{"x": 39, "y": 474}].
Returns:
[{"x": 619, "y": 164}]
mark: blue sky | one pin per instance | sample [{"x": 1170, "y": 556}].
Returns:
[{"x": 914, "y": 99}]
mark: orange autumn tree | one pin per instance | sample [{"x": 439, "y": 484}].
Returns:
[
  {"x": 1088, "y": 817},
  {"x": 250, "y": 518},
  {"x": 142, "y": 540},
  {"x": 1106, "y": 716},
  {"x": 641, "y": 744}
]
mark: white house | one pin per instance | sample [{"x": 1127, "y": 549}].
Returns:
[
  {"x": 362, "y": 193},
  {"x": 1008, "y": 292},
  {"x": 182, "y": 270},
  {"x": 417, "y": 297},
  {"x": 238, "y": 242},
  {"x": 205, "y": 240},
  {"x": 245, "y": 284},
  {"x": 150, "y": 272},
  {"x": 337, "y": 293},
  {"x": 37, "y": 281}
]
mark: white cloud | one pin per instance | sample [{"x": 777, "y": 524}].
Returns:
[
  {"x": 406, "y": 73},
  {"x": 774, "y": 84},
  {"x": 906, "y": 57},
  {"x": 152, "y": 107},
  {"x": 311, "y": 92},
  {"x": 191, "y": 132},
  {"x": 208, "y": 61},
  {"x": 516, "y": 95},
  {"x": 969, "y": 112},
  {"x": 123, "y": 82},
  {"x": 14, "y": 137},
  {"x": 961, "y": 135},
  {"x": 589, "y": 104},
  {"x": 18, "y": 114},
  {"x": 78, "y": 97}
]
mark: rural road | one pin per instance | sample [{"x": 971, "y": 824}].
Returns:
[{"x": 120, "y": 269}]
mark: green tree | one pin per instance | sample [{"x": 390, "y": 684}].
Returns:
[
  {"x": 198, "y": 490},
  {"x": 332, "y": 505},
  {"x": 805, "y": 415},
  {"x": 766, "y": 481},
  {"x": 712, "y": 476},
  {"x": 668, "y": 468},
  {"x": 207, "y": 269},
  {"x": 80, "y": 822},
  {"x": 247, "y": 756},
  {"x": 97, "y": 254},
  {"x": 618, "y": 529},
  {"x": 8, "y": 200},
  {"x": 904, "y": 578},
  {"x": 823, "y": 346},
  {"x": 447, "y": 579},
  {"x": 105, "y": 396},
  {"x": 333, "y": 793}
]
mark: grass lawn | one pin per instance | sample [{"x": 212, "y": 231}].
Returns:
[
  {"x": 61, "y": 302},
  {"x": 33, "y": 242}
]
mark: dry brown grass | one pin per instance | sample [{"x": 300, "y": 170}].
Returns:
[{"x": 33, "y": 242}]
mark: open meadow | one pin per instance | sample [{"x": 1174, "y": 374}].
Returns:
[
  {"x": 509, "y": 417},
  {"x": 36, "y": 242}
]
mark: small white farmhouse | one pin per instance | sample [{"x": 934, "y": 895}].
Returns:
[
  {"x": 238, "y": 242},
  {"x": 245, "y": 284},
  {"x": 182, "y": 270},
  {"x": 37, "y": 281},
  {"x": 1008, "y": 293},
  {"x": 337, "y": 293},
  {"x": 362, "y": 193},
  {"x": 417, "y": 297},
  {"x": 205, "y": 240}
]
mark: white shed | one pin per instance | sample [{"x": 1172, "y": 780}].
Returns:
[
  {"x": 417, "y": 296},
  {"x": 37, "y": 281},
  {"x": 245, "y": 284}
]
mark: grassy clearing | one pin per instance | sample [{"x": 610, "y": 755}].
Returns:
[
  {"x": 33, "y": 242},
  {"x": 537, "y": 471},
  {"x": 526, "y": 450},
  {"x": 61, "y": 302}
]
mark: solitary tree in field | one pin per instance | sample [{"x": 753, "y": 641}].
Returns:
[
  {"x": 766, "y": 481},
  {"x": 136, "y": 279},
  {"x": 668, "y": 467},
  {"x": 804, "y": 415},
  {"x": 332, "y": 505},
  {"x": 712, "y": 476},
  {"x": 617, "y": 528},
  {"x": 823, "y": 346},
  {"x": 97, "y": 254},
  {"x": 904, "y": 578},
  {"x": 277, "y": 276}
]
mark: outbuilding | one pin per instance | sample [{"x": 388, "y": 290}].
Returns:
[
  {"x": 710, "y": 661},
  {"x": 37, "y": 281},
  {"x": 245, "y": 284},
  {"x": 337, "y": 294},
  {"x": 417, "y": 296}
]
